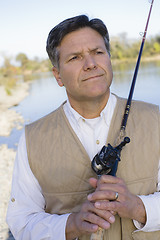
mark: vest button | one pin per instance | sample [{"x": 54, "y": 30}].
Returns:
[
  {"x": 12, "y": 199},
  {"x": 97, "y": 141}
]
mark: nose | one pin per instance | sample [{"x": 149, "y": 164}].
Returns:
[{"x": 89, "y": 63}]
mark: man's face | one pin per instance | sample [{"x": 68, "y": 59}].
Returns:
[{"x": 84, "y": 65}]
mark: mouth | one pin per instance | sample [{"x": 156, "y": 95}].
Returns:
[{"x": 93, "y": 77}]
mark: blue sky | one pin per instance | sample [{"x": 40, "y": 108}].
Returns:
[{"x": 25, "y": 24}]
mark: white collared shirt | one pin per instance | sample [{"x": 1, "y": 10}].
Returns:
[
  {"x": 92, "y": 132},
  {"x": 26, "y": 216}
]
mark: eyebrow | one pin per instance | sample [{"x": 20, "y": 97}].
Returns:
[
  {"x": 74, "y": 53},
  {"x": 97, "y": 48},
  {"x": 90, "y": 50}
]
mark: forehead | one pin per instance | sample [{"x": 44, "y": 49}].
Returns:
[{"x": 80, "y": 40}]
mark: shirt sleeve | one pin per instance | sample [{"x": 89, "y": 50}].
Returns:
[
  {"x": 25, "y": 215},
  {"x": 152, "y": 206}
]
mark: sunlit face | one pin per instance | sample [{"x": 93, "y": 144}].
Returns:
[{"x": 84, "y": 65}]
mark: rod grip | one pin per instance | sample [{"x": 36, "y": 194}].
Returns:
[{"x": 98, "y": 235}]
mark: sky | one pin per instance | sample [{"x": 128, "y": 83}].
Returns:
[{"x": 25, "y": 24}]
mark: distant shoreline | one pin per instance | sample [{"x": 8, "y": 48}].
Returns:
[
  {"x": 143, "y": 59},
  {"x": 9, "y": 118}
]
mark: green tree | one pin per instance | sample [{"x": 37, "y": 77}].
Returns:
[
  {"x": 156, "y": 47},
  {"x": 23, "y": 60}
]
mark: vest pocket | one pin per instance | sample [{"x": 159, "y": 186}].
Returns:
[{"x": 61, "y": 203}]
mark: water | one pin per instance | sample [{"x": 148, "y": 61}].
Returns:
[
  {"x": 45, "y": 95},
  {"x": 147, "y": 86}
]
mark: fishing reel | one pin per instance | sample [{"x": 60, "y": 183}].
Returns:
[{"x": 106, "y": 161}]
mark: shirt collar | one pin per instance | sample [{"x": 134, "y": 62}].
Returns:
[{"x": 106, "y": 113}]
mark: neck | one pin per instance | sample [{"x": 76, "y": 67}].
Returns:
[{"x": 89, "y": 109}]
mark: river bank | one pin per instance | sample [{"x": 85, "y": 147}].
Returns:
[
  {"x": 9, "y": 119},
  {"x": 145, "y": 59}
]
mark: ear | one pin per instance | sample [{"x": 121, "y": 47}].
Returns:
[{"x": 56, "y": 74}]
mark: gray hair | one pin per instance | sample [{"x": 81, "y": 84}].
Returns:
[{"x": 69, "y": 25}]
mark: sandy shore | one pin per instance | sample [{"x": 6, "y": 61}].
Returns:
[{"x": 8, "y": 119}]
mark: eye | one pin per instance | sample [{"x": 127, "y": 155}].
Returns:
[
  {"x": 99, "y": 52},
  {"x": 74, "y": 58}
]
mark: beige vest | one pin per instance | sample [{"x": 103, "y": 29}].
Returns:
[{"x": 60, "y": 163}]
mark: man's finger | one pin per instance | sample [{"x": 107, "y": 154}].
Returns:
[
  {"x": 102, "y": 195},
  {"x": 109, "y": 179},
  {"x": 93, "y": 182}
]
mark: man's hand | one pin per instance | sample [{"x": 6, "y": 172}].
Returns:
[
  {"x": 87, "y": 221},
  {"x": 127, "y": 205}
]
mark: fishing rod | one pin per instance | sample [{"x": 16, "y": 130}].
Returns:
[
  {"x": 106, "y": 161},
  {"x": 128, "y": 104}
]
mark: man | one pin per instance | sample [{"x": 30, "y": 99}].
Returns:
[{"x": 55, "y": 193}]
